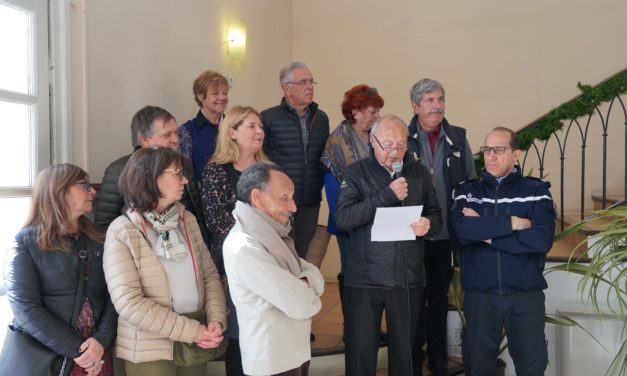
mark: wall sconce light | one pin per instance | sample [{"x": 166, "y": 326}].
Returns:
[{"x": 236, "y": 42}]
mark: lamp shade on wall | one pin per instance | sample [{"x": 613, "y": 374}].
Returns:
[{"x": 236, "y": 42}]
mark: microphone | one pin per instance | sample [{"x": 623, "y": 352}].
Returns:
[{"x": 396, "y": 168}]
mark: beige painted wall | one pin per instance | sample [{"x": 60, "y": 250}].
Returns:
[
  {"x": 127, "y": 54},
  {"x": 502, "y": 62}
]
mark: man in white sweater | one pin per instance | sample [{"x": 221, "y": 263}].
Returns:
[{"x": 276, "y": 293}]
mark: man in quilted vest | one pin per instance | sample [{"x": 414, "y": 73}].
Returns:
[
  {"x": 444, "y": 150},
  {"x": 296, "y": 132}
]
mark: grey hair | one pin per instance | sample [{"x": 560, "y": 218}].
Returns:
[
  {"x": 422, "y": 87},
  {"x": 286, "y": 72},
  {"x": 143, "y": 122},
  {"x": 256, "y": 176},
  {"x": 382, "y": 120}
]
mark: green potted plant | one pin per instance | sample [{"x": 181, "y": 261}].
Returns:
[
  {"x": 604, "y": 279},
  {"x": 609, "y": 254}
]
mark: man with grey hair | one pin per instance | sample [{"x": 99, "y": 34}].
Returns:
[
  {"x": 442, "y": 148},
  {"x": 296, "y": 132},
  {"x": 276, "y": 293},
  {"x": 151, "y": 126},
  {"x": 384, "y": 275}
]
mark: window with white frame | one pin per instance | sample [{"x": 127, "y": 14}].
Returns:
[{"x": 24, "y": 110}]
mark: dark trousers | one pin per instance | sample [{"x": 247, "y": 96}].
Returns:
[
  {"x": 342, "y": 245},
  {"x": 303, "y": 370},
  {"x": 304, "y": 227},
  {"x": 434, "y": 311},
  {"x": 162, "y": 368},
  {"x": 522, "y": 316},
  {"x": 233, "y": 359},
  {"x": 362, "y": 323}
]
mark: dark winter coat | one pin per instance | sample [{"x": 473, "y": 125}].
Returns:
[
  {"x": 41, "y": 287},
  {"x": 451, "y": 164},
  {"x": 383, "y": 264}
]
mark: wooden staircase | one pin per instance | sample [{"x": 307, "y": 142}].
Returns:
[{"x": 563, "y": 249}]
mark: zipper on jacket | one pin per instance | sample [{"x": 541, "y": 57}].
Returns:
[
  {"x": 309, "y": 125},
  {"x": 498, "y": 252},
  {"x": 402, "y": 267}
]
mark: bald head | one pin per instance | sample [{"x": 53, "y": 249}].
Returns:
[
  {"x": 389, "y": 140},
  {"x": 386, "y": 122}
]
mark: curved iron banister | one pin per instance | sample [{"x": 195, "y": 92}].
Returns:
[
  {"x": 582, "y": 104},
  {"x": 550, "y": 125}
]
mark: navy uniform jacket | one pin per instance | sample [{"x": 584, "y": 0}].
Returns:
[{"x": 514, "y": 261}]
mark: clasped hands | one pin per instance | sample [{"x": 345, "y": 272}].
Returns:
[
  {"x": 91, "y": 356},
  {"x": 210, "y": 336}
]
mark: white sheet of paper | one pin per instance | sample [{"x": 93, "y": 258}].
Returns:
[{"x": 392, "y": 224}]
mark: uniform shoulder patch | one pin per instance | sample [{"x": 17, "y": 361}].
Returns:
[
  {"x": 533, "y": 178},
  {"x": 465, "y": 182}
]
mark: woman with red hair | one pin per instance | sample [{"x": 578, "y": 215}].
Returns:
[{"x": 348, "y": 143}]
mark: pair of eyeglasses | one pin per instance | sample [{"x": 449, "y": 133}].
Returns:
[
  {"x": 86, "y": 185},
  {"x": 179, "y": 172},
  {"x": 498, "y": 150},
  {"x": 389, "y": 148},
  {"x": 304, "y": 82},
  {"x": 370, "y": 91}
]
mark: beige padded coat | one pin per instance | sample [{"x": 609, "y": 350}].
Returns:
[{"x": 139, "y": 289}]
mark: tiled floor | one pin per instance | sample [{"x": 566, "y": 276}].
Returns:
[
  {"x": 327, "y": 327},
  {"x": 328, "y": 323}
]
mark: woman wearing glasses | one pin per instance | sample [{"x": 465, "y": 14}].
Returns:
[
  {"x": 42, "y": 275},
  {"x": 239, "y": 146},
  {"x": 162, "y": 281},
  {"x": 348, "y": 143}
]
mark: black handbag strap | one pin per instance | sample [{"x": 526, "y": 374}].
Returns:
[{"x": 83, "y": 276}]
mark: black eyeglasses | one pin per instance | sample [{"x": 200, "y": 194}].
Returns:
[
  {"x": 179, "y": 172},
  {"x": 304, "y": 82},
  {"x": 389, "y": 148},
  {"x": 86, "y": 185},
  {"x": 498, "y": 150}
]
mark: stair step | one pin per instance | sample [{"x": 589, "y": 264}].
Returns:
[
  {"x": 562, "y": 250},
  {"x": 579, "y": 238},
  {"x": 610, "y": 198},
  {"x": 576, "y": 238},
  {"x": 588, "y": 228}
]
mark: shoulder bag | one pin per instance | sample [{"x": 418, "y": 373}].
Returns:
[{"x": 24, "y": 355}]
